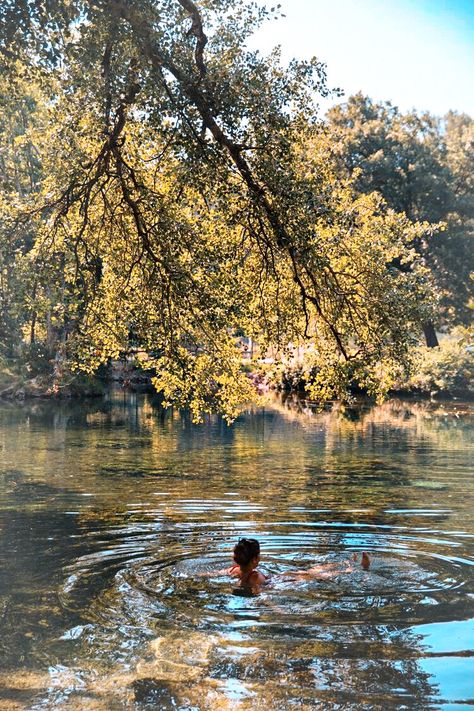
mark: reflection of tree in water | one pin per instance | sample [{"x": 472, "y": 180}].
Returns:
[
  {"x": 322, "y": 478},
  {"x": 37, "y": 538},
  {"x": 278, "y": 681},
  {"x": 200, "y": 671},
  {"x": 420, "y": 417},
  {"x": 382, "y": 450}
]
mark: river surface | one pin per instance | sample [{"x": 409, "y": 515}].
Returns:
[{"x": 110, "y": 511}]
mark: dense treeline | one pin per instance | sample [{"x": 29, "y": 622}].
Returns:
[
  {"x": 422, "y": 165},
  {"x": 162, "y": 183}
]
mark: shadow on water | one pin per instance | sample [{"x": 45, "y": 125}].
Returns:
[{"x": 111, "y": 511}]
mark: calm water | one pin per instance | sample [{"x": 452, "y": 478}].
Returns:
[{"x": 109, "y": 510}]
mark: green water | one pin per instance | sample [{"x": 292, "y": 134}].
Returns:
[{"x": 109, "y": 512}]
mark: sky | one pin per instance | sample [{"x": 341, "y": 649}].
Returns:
[{"x": 418, "y": 54}]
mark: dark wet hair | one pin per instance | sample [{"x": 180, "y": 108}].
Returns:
[{"x": 245, "y": 550}]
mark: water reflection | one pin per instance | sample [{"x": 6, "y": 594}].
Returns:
[{"x": 110, "y": 510}]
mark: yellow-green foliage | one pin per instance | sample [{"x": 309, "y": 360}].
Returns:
[
  {"x": 189, "y": 194},
  {"x": 449, "y": 368}
]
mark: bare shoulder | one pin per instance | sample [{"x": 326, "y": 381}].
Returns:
[{"x": 257, "y": 578}]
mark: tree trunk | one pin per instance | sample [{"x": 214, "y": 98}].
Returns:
[
  {"x": 430, "y": 335},
  {"x": 34, "y": 316}
]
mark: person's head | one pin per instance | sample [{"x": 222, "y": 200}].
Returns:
[{"x": 247, "y": 551}]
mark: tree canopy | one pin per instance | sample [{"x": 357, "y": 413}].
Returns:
[
  {"x": 161, "y": 179},
  {"x": 422, "y": 165}
]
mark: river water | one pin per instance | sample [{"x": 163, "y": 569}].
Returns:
[{"x": 111, "y": 510}]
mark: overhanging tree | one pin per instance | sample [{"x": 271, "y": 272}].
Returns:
[{"x": 181, "y": 199}]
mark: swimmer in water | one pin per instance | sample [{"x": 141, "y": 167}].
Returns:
[{"x": 247, "y": 558}]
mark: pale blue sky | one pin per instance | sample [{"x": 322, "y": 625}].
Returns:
[{"x": 414, "y": 53}]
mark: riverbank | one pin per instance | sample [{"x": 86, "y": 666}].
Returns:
[
  {"x": 18, "y": 384},
  {"x": 78, "y": 386},
  {"x": 446, "y": 372},
  {"x": 14, "y": 386}
]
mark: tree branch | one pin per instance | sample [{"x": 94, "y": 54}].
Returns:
[
  {"x": 198, "y": 31},
  {"x": 160, "y": 60}
]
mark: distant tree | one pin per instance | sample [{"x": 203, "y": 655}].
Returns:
[
  {"x": 19, "y": 177},
  {"x": 455, "y": 247},
  {"x": 178, "y": 197},
  {"x": 422, "y": 166}
]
